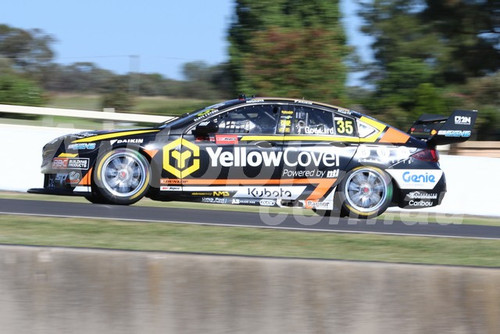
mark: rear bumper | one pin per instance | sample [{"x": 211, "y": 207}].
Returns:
[{"x": 417, "y": 199}]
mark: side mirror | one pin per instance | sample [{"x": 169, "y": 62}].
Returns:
[{"x": 205, "y": 128}]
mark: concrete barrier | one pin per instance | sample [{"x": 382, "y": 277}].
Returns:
[
  {"x": 52, "y": 290},
  {"x": 22, "y": 154},
  {"x": 477, "y": 148},
  {"x": 473, "y": 182}
]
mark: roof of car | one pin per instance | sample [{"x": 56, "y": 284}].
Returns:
[{"x": 292, "y": 100}]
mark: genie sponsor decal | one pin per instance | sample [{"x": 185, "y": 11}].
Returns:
[{"x": 416, "y": 178}]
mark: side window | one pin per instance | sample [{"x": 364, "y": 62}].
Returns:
[
  {"x": 309, "y": 120},
  {"x": 257, "y": 119}
]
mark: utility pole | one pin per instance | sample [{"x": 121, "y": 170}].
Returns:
[{"x": 134, "y": 74}]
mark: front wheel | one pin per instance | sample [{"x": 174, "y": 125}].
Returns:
[
  {"x": 121, "y": 176},
  {"x": 365, "y": 192}
]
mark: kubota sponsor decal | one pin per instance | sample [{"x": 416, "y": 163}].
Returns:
[
  {"x": 256, "y": 192},
  {"x": 288, "y": 192}
]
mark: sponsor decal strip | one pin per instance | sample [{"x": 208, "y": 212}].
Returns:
[
  {"x": 324, "y": 185},
  {"x": 112, "y": 135},
  {"x": 419, "y": 179}
]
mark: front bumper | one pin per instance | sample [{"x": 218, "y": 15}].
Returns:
[{"x": 65, "y": 192}]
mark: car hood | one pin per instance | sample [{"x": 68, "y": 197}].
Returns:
[{"x": 94, "y": 136}]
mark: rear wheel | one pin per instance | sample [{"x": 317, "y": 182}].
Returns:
[
  {"x": 121, "y": 176},
  {"x": 365, "y": 192}
]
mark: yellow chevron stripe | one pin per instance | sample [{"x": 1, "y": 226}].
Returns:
[
  {"x": 113, "y": 135},
  {"x": 68, "y": 155},
  {"x": 377, "y": 125},
  {"x": 300, "y": 138}
]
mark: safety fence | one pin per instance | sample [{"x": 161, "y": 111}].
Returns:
[{"x": 107, "y": 115}]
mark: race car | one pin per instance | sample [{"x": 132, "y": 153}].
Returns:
[{"x": 261, "y": 151}]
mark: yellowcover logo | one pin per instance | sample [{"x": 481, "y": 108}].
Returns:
[{"x": 176, "y": 158}]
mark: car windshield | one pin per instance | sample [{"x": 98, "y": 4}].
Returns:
[{"x": 194, "y": 116}]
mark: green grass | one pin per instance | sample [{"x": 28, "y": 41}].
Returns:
[
  {"x": 96, "y": 233},
  {"x": 75, "y": 101},
  {"x": 115, "y": 234}
]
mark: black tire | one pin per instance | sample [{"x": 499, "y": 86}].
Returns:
[
  {"x": 121, "y": 176},
  {"x": 96, "y": 198},
  {"x": 365, "y": 192}
]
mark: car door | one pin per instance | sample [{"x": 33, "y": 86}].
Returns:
[
  {"x": 318, "y": 147},
  {"x": 241, "y": 161}
]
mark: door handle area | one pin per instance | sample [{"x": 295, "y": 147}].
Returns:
[{"x": 264, "y": 144}]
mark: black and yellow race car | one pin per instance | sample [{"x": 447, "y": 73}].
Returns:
[{"x": 261, "y": 151}]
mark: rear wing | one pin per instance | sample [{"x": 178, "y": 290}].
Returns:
[{"x": 441, "y": 130}]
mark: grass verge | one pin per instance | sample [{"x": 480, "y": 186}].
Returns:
[{"x": 95, "y": 233}]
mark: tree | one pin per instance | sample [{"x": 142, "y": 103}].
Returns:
[
  {"x": 204, "y": 81},
  {"x": 308, "y": 71},
  {"x": 17, "y": 90},
  {"x": 288, "y": 47},
  {"x": 471, "y": 31},
  {"x": 82, "y": 77},
  {"x": 28, "y": 50},
  {"x": 117, "y": 94},
  {"x": 460, "y": 39},
  {"x": 427, "y": 52}
]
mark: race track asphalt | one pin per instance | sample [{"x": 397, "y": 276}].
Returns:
[{"x": 261, "y": 219}]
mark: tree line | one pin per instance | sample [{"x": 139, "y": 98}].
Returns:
[{"x": 429, "y": 56}]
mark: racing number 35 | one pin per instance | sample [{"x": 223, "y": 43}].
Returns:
[{"x": 344, "y": 126}]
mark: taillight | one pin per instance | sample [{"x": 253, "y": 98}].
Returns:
[{"x": 428, "y": 154}]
